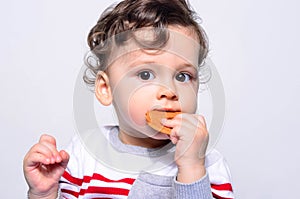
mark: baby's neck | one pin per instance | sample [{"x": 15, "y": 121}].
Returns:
[{"x": 142, "y": 142}]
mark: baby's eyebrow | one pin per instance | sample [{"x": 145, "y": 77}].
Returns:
[
  {"x": 150, "y": 62},
  {"x": 141, "y": 63},
  {"x": 187, "y": 65}
]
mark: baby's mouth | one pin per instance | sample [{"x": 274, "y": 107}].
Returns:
[{"x": 166, "y": 110}]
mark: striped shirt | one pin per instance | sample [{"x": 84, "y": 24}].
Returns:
[{"x": 87, "y": 177}]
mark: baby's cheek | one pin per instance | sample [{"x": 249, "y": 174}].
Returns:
[
  {"x": 137, "y": 114},
  {"x": 139, "y": 102},
  {"x": 188, "y": 102}
]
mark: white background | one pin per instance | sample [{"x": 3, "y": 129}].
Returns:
[{"x": 254, "y": 45}]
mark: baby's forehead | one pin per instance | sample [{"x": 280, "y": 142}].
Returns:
[
  {"x": 181, "y": 42},
  {"x": 154, "y": 58}
]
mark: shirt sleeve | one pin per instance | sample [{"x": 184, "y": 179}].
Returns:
[
  {"x": 215, "y": 184},
  {"x": 199, "y": 189},
  {"x": 219, "y": 176},
  {"x": 69, "y": 184},
  {"x": 149, "y": 185}
]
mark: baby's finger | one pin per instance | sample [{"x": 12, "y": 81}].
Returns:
[
  {"x": 171, "y": 123},
  {"x": 33, "y": 160},
  {"x": 173, "y": 137},
  {"x": 64, "y": 158},
  {"x": 50, "y": 142},
  {"x": 47, "y": 139},
  {"x": 39, "y": 158},
  {"x": 186, "y": 126},
  {"x": 202, "y": 120},
  {"x": 175, "y": 133},
  {"x": 40, "y": 151}
]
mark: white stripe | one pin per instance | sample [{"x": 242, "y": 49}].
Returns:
[
  {"x": 225, "y": 194},
  {"x": 97, "y": 195},
  {"x": 98, "y": 183}
]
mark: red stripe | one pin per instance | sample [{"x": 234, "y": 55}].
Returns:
[
  {"x": 219, "y": 197},
  {"x": 107, "y": 190},
  {"x": 72, "y": 179},
  {"x": 73, "y": 193},
  {"x": 96, "y": 176},
  {"x": 222, "y": 187},
  {"x": 99, "y": 190}
]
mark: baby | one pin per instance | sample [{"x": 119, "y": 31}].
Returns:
[{"x": 149, "y": 53}]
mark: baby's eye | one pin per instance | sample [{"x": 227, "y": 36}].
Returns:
[
  {"x": 183, "y": 77},
  {"x": 146, "y": 75}
]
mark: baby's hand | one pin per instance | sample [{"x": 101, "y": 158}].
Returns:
[
  {"x": 43, "y": 166},
  {"x": 190, "y": 135}
]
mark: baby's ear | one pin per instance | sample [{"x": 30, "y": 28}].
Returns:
[{"x": 102, "y": 89}]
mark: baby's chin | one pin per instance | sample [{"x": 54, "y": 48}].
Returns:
[{"x": 160, "y": 136}]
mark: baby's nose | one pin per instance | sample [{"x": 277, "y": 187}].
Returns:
[{"x": 166, "y": 93}]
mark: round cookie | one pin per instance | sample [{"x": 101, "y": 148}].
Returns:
[{"x": 154, "y": 117}]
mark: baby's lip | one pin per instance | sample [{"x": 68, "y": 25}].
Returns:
[{"x": 167, "y": 110}]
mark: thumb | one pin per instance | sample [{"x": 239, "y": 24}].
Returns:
[{"x": 65, "y": 158}]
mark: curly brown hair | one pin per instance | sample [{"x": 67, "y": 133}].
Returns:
[{"x": 130, "y": 15}]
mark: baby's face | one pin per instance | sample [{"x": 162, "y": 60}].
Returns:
[{"x": 165, "y": 80}]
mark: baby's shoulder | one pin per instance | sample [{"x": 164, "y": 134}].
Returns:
[
  {"x": 212, "y": 157},
  {"x": 217, "y": 167}
]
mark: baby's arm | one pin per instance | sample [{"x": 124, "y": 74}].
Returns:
[
  {"x": 190, "y": 135},
  {"x": 43, "y": 166}
]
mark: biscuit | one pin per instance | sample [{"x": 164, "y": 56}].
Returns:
[{"x": 153, "y": 119}]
